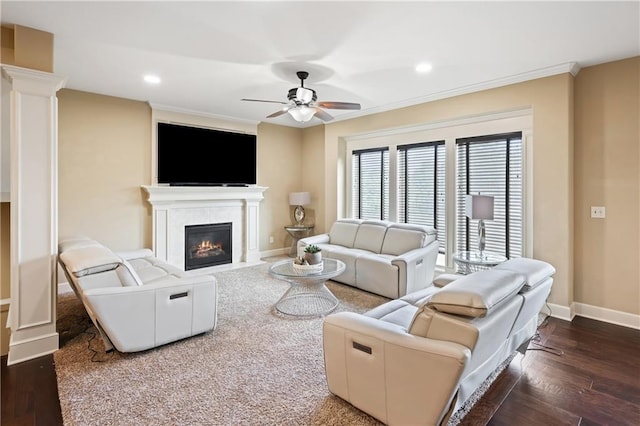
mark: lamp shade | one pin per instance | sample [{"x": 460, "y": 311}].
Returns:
[
  {"x": 479, "y": 206},
  {"x": 299, "y": 198}
]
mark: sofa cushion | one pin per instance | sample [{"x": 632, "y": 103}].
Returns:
[
  {"x": 90, "y": 259},
  {"x": 401, "y": 239},
  {"x": 349, "y": 256},
  {"x": 376, "y": 274},
  {"x": 343, "y": 232},
  {"x": 150, "y": 269},
  {"x": 476, "y": 295},
  {"x": 535, "y": 271},
  {"x": 370, "y": 236}
]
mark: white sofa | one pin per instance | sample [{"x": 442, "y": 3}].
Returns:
[
  {"x": 386, "y": 258},
  {"x": 418, "y": 359},
  {"x": 136, "y": 301}
]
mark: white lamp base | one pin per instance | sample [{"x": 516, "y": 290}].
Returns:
[{"x": 481, "y": 237}]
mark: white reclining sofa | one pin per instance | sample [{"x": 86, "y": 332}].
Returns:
[
  {"x": 381, "y": 257},
  {"x": 418, "y": 359},
  {"x": 136, "y": 301}
]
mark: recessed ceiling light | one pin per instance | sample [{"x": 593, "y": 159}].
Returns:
[
  {"x": 423, "y": 67},
  {"x": 152, "y": 79}
]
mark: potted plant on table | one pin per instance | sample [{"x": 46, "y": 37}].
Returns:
[{"x": 313, "y": 254}]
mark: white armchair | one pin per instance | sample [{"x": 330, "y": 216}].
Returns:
[{"x": 136, "y": 301}]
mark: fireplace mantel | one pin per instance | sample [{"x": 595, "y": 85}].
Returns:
[
  {"x": 160, "y": 194},
  {"x": 175, "y": 207}
]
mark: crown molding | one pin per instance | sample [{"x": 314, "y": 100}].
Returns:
[
  {"x": 169, "y": 108},
  {"x": 570, "y": 67}
]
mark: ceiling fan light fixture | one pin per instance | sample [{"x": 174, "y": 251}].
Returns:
[
  {"x": 423, "y": 68},
  {"x": 304, "y": 95},
  {"x": 302, "y": 113}
]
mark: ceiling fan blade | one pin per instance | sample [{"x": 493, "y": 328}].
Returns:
[
  {"x": 279, "y": 112},
  {"x": 262, "y": 100},
  {"x": 338, "y": 105},
  {"x": 322, "y": 115}
]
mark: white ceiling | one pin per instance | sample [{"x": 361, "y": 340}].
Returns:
[{"x": 212, "y": 54}]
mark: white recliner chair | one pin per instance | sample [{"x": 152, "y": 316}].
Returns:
[{"x": 136, "y": 301}]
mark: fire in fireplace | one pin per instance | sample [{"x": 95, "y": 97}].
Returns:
[{"x": 207, "y": 245}]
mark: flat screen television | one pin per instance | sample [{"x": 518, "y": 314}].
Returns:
[{"x": 196, "y": 156}]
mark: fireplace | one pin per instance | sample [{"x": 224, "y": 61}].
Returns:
[{"x": 207, "y": 245}]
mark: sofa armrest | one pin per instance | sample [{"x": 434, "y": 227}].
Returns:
[
  {"x": 314, "y": 239},
  {"x": 381, "y": 369},
  {"x": 142, "y": 317},
  {"x": 416, "y": 268}
]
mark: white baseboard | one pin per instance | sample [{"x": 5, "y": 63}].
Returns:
[
  {"x": 610, "y": 316},
  {"x": 624, "y": 319},
  {"x": 64, "y": 287},
  {"x": 274, "y": 252},
  {"x": 560, "y": 311},
  {"x": 26, "y": 349}
]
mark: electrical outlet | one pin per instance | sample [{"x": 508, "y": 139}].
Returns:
[
  {"x": 271, "y": 239},
  {"x": 598, "y": 212}
]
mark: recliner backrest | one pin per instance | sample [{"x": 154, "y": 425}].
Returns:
[
  {"x": 88, "y": 264},
  {"x": 343, "y": 232},
  {"x": 370, "y": 235},
  {"x": 402, "y": 237}
]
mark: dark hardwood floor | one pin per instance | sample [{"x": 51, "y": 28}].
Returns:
[
  {"x": 29, "y": 393},
  {"x": 583, "y": 372}
]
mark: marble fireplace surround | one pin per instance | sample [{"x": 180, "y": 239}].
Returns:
[{"x": 175, "y": 207}]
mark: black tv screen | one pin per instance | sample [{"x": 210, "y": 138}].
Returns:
[{"x": 196, "y": 156}]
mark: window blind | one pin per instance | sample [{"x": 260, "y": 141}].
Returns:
[
  {"x": 491, "y": 165},
  {"x": 421, "y": 186},
  {"x": 370, "y": 184}
]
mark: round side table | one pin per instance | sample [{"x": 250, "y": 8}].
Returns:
[
  {"x": 473, "y": 261},
  {"x": 296, "y": 233}
]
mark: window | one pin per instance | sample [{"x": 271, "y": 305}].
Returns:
[
  {"x": 491, "y": 165},
  {"x": 421, "y": 174},
  {"x": 370, "y": 184},
  {"x": 421, "y": 186}
]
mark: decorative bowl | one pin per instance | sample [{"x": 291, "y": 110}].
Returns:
[{"x": 308, "y": 269}]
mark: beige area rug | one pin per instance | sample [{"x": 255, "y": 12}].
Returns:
[{"x": 256, "y": 368}]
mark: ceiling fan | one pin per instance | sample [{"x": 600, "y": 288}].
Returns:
[{"x": 302, "y": 105}]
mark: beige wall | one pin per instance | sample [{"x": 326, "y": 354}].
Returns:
[
  {"x": 607, "y": 157},
  {"x": 26, "y": 47},
  {"x": 312, "y": 174},
  {"x": 551, "y": 100},
  {"x": 104, "y": 155},
  {"x": 279, "y": 169}
]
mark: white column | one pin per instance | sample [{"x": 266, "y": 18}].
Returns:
[
  {"x": 34, "y": 223},
  {"x": 252, "y": 231}
]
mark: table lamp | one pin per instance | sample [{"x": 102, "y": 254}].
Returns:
[
  {"x": 479, "y": 207},
  {"x": 299, "y": 199}
]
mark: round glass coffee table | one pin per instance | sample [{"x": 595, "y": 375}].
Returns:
[
  {"x": 472, "y": 261},
  {"x": 307, "y": 296}
]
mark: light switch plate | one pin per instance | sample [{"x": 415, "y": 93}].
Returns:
[{"x": 598, "y": 212}]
